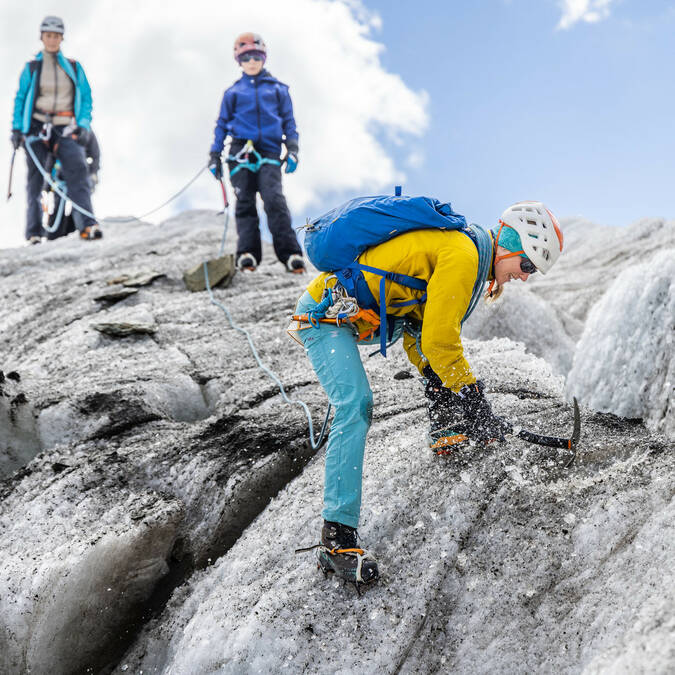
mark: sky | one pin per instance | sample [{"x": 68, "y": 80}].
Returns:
[{"x": 481, "y": 103}]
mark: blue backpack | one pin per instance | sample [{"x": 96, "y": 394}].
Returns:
[{"x": 336, "y": 239}]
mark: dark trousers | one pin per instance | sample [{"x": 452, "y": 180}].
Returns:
[
  {"x": 75, "y": 174},
  {"x": 267, "y": 181}
]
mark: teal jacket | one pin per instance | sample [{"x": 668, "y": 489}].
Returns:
[{"x": 24, "y": 101}]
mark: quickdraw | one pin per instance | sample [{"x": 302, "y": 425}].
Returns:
[{"x": 243, "y": 161}]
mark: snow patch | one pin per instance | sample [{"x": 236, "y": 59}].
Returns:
[{"x": 625, "y": 360}]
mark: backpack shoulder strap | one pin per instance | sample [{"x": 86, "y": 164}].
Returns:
[{"x": 401, "y": 279}]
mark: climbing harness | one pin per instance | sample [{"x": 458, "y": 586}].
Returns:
[
  {"x": 243, "y": 161},
  {"x": 31, "y": 139},
  {"x": 338, "y": 308},
  {"x": 315, "y": 444}
]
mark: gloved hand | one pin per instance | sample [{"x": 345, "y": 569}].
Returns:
[
  {"x": 93, "y": 180},
  {"x": 216, "y": 165},
  {"x": 482, "y": 424},
  {"x": 291, "y": 162},
  {"x": 17, "y": 138},
  {"x": 446, "y": 412},
  {"x": 81, "y": 135}
]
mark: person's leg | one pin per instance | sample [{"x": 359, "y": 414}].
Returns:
[
  {"x": 278, "y": 215},
  {"x": 334, "y": 355},
  {"x": 34, "y": 190},
  {"x": 245, "y": 185},
  {"x": 76, "y": 176}
]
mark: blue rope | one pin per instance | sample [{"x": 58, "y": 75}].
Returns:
[
  {"x": 59, "y": 212},
  {"x": 322, "y": 434},
  {"x": 31, "y": 139}
]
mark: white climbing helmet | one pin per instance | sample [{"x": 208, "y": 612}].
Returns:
[
  {"x": 539, "y": 232},
  {"x": 52, "y": 24}
]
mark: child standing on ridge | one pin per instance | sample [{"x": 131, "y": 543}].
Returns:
[{"x": 257, "y": 113}]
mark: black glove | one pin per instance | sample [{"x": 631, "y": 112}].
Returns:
[
  {"x": 216, "y": 165},
  {"x": 482, "y": 424},
  {"x": 81, "y": 135},
  {"x": 17, "y": 138},
  {"x": 446, "y": 412}
]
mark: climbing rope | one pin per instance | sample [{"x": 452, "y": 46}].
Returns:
[
  {"x": 59, "y": 212},
  {"x": 315, "y": 444},
  {"x": 31, "y": 139}
]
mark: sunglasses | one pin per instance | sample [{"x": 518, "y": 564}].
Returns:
[
  {"x": 245, "y": 58},
  {"x": 527, "y": 266}
]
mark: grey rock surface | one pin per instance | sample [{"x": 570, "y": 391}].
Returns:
[{"x": 158, "y": 484}]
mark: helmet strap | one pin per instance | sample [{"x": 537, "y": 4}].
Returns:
[{"x": 510, "y": 254}]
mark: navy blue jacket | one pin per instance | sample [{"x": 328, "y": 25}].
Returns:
[{"x": 259, "y": 109}]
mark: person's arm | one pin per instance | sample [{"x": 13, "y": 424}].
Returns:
[
  {"x": 288, "y": 121},
  {"x": 448, "y": 296},
  {"x": 86, "y": 104},
  {"x": 20, "y": 98},
  {"x": 222, "y": 129}
]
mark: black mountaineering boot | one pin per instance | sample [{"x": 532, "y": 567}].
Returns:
[
  {"x": 447, "y": 424},
  {"x": 340, "y": 554}
]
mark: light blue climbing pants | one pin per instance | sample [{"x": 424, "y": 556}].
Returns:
[{"x": 334, "y": 355}]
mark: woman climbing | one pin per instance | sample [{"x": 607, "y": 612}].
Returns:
[{"x": 423, "y": 283}]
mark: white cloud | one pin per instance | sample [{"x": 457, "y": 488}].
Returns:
[
  {"x": 158, "y": 71},
  {"x": 590, "y": 11}
]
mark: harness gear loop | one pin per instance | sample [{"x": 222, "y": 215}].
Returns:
[{"x": 339, "y": 308}]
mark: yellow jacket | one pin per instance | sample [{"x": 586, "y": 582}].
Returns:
[{"x": 448, "y": 262}]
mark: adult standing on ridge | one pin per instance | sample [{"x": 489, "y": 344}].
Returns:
[
  {"x": 257, "y": 113},
  {"x": 434, "y": 279},
  {"x": 53, "y": 103}
]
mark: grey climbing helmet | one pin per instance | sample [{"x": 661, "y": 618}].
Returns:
[{"x": 52, "y": 24}]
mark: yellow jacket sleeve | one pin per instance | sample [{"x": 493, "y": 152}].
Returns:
[{"x": 448, "y": 296}]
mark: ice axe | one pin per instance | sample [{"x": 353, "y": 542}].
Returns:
[
  {"x": 553, "y": 441},
  {"x": 11, "y": 172},
  {"x": 444, "y": 446}
]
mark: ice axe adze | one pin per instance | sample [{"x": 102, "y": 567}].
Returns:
[
  {"x": 553, "y": 441},
  {"x": 11, "y": 171}
]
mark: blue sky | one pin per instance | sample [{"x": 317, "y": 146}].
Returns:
[
  {"x": 477, "y": 102},
  {"x": 581, "y": 118}
]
